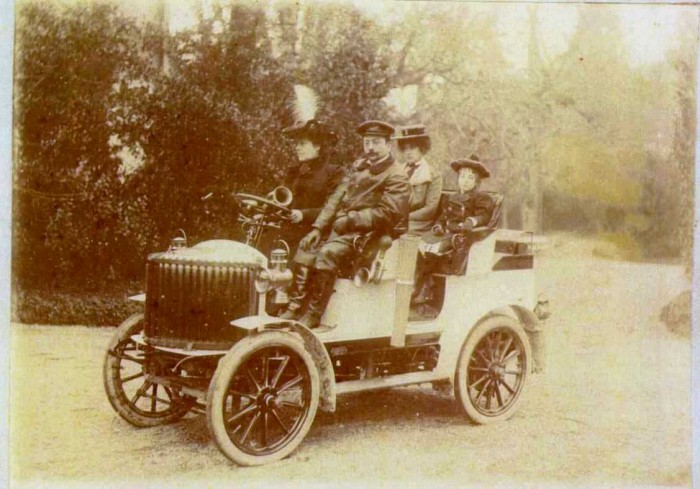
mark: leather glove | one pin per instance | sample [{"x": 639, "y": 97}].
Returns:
[
  {"x": 342, "y": 225},
  {"x": 311, "y": 240},
  {"x": 459, "y": 226},
  {"x": 296, "y": 216},
  {"x": 454, "y": 226}
]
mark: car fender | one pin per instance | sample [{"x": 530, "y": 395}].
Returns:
[
  {"x": 471, "y": 313},
  {"x": 259, "y": 324},
  {"x": 533, "y": 327}
]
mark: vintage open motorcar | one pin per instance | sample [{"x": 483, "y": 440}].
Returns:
[{"x": 206, "y": 342}]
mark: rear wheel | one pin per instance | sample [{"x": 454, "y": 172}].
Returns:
[
  {"x": 263, "y": 398},
  {"x": 129, "y": 384},
  {"x": 492, "y": 370}
]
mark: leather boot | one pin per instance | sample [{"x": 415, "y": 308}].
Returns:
[
  {"x": 298, "y": 292},
  {"x": 319, "y": 297}
]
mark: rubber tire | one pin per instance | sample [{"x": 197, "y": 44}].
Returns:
[
  {"x": 216, "y": 394},
  {"x": 460, "y": 379},
  {"x": 116, "y": 395}
]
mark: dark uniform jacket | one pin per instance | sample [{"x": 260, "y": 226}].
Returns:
[
  {"x": 459, "y": 208},
  {"x": 474, "y": 205},
  {"x": 373, "y": 196},
  {"x": 311, "y": 182}
]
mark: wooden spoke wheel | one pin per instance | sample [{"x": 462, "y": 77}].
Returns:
[
  {"x": 128, "y": 381},
  {"x": 492, "y": 370},
  {"x": 263, "y": 398}
]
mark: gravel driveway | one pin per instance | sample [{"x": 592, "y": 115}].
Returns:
[{"x": 613, "y": 409}]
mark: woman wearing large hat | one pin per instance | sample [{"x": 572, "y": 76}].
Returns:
[
  {"x": 426, "y": 183},
  {"x": 314, "y": 176},
  {"x": 312, "y": 179}
]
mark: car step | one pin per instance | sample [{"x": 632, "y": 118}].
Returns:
[{"x": 385, "y": 382}]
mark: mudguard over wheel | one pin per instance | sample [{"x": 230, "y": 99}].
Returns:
[
  {"x": 263, "y": 398},
  {"x": 128, "y": 383},
  {"x": 492, "y": 370}
]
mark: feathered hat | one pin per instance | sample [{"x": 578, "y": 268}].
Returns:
[{"x": 304, "y": 108}]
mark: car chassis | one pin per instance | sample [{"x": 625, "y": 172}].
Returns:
[{"x": 206, "y": 343}]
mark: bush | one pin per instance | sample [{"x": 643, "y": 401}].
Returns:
[
  {"x": 67, "y": 225},
  {"x": 43, "y": 307},
  {"x": 618, "y": 246},
  {"x": 91, "y": 87}
]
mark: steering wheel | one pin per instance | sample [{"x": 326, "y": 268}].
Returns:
[{"x": 255, "y": 204}]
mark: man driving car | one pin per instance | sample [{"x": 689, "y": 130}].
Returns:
[{"x": 373, "y": 197}]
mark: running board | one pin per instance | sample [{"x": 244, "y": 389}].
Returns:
[{"x": 349, "y": 386}]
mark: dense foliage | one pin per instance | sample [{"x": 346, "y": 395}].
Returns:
[
  {"x": 123, "y": 130},
  {"x": 68, "y": 197},
  {"x": 122, "y": 127}
]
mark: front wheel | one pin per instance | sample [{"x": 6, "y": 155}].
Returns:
[
  {"x": 263, "y": 398},
  {"x": 492, "y": 369},
  {"x": 129, "y": 384}
]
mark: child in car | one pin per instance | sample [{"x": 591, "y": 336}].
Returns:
[{"x": 465, "y": 210}]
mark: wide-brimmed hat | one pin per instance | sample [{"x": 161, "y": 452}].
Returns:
[
  {"x": 375, "y": 128},
  {"x": 415, "y": 132},
  {"x": 473, "y": 163},
  {"x": 312, "y": 129}
]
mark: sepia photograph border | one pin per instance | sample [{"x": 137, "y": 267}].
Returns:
[{"x": 6, "y": 164}]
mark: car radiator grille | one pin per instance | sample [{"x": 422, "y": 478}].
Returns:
[{"x": 190, "y": 305}]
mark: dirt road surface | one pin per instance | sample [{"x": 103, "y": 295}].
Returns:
[{"x": 612, "y": 410}]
